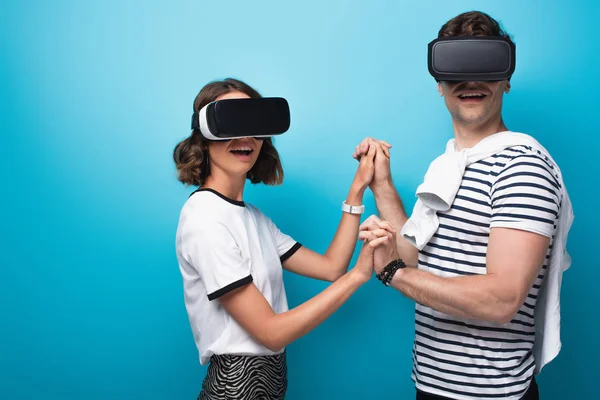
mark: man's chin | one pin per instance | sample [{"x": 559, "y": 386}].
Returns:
[{"x": 470, "y": 118}]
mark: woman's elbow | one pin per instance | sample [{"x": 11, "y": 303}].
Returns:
[
  {"x": 273, "y": 343},
  {"x": 275, "y": 347},
  {"x": 269, "y": 336},
  {"x": 335, "y": 275},
  {"x": 332, "y": 270}
]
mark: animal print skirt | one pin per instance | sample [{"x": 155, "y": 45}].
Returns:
[{"x": 245, "y": 378}]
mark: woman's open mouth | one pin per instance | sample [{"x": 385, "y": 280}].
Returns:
[{"x": 243, "y": 153}]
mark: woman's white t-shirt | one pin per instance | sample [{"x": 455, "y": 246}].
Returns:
[{"x": 223, "y": 244}]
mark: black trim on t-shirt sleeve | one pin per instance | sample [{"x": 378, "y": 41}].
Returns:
[
  {"x": 290, "y": 252},
  {"x": 232, "y": 286}
]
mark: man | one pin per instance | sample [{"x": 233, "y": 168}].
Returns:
[{"x": 476, "y": 279}]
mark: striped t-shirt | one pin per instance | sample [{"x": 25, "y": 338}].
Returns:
[{"x": 472, "y": 359}]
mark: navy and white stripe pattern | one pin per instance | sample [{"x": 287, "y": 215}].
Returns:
[
  {"x": 468, "y": 359},
  {"x": 240, "y": 377}
]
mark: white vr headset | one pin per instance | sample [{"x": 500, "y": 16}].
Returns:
[{"x": 238, "y": 118}]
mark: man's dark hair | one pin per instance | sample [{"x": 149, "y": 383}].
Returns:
[{"x": 472, "y": 23}]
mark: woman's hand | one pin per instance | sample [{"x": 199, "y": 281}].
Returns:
[
  {"x": 366, "y": 168},
  {"x": 365, "y": 263}
]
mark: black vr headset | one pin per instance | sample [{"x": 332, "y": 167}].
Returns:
[
  {"x": 238, "y": 118},
  {"x": 471, "y": 58}
]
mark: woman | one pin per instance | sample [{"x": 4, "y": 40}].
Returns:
[{"x": 231, "y": 257}]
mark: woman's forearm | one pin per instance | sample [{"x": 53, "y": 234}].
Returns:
[
  {"x": 284, "y": 328},
  {"x": 340, "y": 251}
]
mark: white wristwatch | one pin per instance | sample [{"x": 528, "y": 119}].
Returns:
[{"x": 352, "y": 209}]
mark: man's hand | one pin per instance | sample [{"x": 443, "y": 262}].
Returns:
[{"x": 374, "y": 228}]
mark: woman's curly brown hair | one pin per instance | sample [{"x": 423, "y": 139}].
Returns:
[{"x": 191, "y": 155}]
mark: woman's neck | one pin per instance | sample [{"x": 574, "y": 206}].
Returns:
[{"x": 229, "y": 186}]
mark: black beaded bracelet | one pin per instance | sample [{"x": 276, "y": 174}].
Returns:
[
  {"x": 387, "y": 269},
  {"x": 390, "y": 275},
  {"x": 386, "y": 275}
]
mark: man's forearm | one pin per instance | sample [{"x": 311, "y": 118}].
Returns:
[
  {"x": 391, "y": 209},
  {"x": 481, "y": 297}
]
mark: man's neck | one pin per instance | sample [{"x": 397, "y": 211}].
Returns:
[{"x": 468, "y": 135}]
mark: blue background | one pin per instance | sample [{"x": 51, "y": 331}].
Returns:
[{"x": 96, "y": 94}]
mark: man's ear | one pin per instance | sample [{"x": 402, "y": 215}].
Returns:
[
  {"x": 440, "y": 89},
  {"x": 507, "y": 88}
]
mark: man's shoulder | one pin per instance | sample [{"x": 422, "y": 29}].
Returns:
[
  {"x": 523, "y": 169},
  {"x": 523, "y": 157}
]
